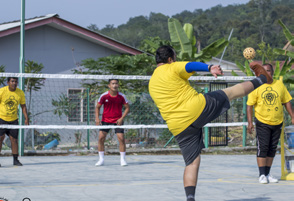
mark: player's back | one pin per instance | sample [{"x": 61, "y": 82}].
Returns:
[{"x": 170, "y": 89}]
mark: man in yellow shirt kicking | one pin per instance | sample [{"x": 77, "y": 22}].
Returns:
[
  {"x": 186, "y": 111},
  {"x": 10, "y": 98},
  {"x": 268, "y": 101}
]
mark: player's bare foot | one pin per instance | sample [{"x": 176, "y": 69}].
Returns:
[{"x": 259, "y": 70}]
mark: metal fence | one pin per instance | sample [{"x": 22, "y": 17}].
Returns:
[{"x": 71, "y": 101}]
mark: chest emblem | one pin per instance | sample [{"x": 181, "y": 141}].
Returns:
[
  {"x": 11, "y": 104},
  {"x": 269, "y": 97}
]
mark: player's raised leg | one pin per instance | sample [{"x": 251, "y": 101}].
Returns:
[{"x": 244, "y": 88}]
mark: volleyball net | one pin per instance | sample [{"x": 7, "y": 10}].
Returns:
[{"x": 61, "y": 107}]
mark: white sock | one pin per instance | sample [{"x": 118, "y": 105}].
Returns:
[
  {"x": 101, "y": 155},
  {"x": 122, "y": 155}
]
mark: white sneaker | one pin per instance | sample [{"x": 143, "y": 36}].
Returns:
[
  {"x": 123, "y": 163},
  {"x": 99, "y": 163},
  {"x": 272, "y": 179},
  {"x": 263, "y": 179}
]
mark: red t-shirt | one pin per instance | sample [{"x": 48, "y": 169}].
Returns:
[{"x": 112, "y": 106}]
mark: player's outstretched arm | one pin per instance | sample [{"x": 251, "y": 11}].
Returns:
[{"x": 215, "y": 70}]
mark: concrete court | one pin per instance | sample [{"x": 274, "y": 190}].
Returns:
[{"x": 147, "y": 178}]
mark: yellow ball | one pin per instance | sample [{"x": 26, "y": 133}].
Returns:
[{"x": 249, "y": 53}]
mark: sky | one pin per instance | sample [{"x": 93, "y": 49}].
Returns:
[{"x": 102, "y": 12}]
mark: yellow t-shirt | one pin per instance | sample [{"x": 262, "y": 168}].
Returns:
[
  {"x": 179, "y": 104},
  {"x": 9, "y": 101},
  {"x": 267, "y": 101}
]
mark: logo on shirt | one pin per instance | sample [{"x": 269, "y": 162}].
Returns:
[
  {"x": 106, "y": 100},
  {"x": 269, "y": 97},
  {"x": 11, "y": 104}
]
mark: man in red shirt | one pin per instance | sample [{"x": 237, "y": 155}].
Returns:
[{"x": 112, "y": 115}]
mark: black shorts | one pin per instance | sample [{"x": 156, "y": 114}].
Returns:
[
  {"x": 267, "y": 139},
  {"x": 12, "y": 132},
  {"x": 191, "y": 139},
  {"x": 117, "y": 130}
]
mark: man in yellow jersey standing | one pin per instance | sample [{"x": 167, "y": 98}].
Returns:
[
  {"x": 268, "y": 101},
  {"x": 10, "y": 98},
  {"x": 186, "y": 111}
]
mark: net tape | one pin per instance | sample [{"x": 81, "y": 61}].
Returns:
[
  {"x": 74, "y": 127},
  {"x": 121, "y": 77}
]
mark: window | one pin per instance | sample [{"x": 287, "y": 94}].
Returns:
[{"x": 78, "y": 111}]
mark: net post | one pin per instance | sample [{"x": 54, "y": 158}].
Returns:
[
  {"x": 206, "y": 128},
  {"x": 21, "y": 70},
  {"x": 282, "y": 137},
  {"x": 244, "y": 120},
  {"x": 88, "y": 118}
]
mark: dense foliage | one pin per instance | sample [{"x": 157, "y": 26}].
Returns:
[{"x": 253, "y": 23}]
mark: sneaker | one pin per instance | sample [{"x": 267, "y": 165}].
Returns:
[
  {"x": 17, "y": 163},
  {"x": 99, "y": 163},
  {"x": 272, "y": 179},
  {"x": 259, "y": 70},
  {"x": 263, "y": 179},
  {"x": 123, "y": 163}
]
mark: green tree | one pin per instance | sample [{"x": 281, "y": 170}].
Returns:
[
  {"x": 62, "y": 105},
  {"x": 151, "y": 44},
  {"x": 33, "y": 84}
]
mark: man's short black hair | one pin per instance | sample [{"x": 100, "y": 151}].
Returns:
[
  {"x": 9, "y": 78},
  {"x": 111, "y": 80},
  {"x": 271, "y": 66},
  {"x": 163, "y": 53}
]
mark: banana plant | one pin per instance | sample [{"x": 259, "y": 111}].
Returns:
[
  {"x": 290, "y": 38},
  {"x": 245, "y": 69},
  {"x": 184, "y": 42},
  {"x": 180, "y": 39},
  {"x": 285, "y": 71}
]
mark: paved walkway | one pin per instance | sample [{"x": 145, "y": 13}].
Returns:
[{"x": 147, "y": 178}]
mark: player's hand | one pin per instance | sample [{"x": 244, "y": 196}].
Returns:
[
  {"x": 27, "y": 122},
  {"x": 119, "y": 121},
  {"x": 292, "y": 121},
  {"x": 98, "y": 122},
  {"x": 216, "y": 70},
  {"x": 250, "y": 128}
]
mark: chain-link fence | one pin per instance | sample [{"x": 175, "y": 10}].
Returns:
[{"x": 65, "y": 101}]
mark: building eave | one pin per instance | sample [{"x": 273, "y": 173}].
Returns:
[{"x": 53, "y": 20}]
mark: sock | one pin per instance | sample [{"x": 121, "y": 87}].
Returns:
[
  {"x": 101, "y": 155},
  {"x": 258, "y": 81},
  {"x": 262, "y": 170},
  {"x": 267, "y": 170},
  {"x": 190, "y": 192},
  {"x": 15, "y": 156},
  {"x": 122, "y": 155}
]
